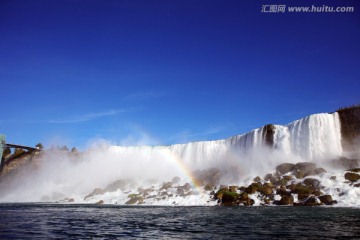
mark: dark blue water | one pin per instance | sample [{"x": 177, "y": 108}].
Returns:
[{"x": 41, "y": 221}]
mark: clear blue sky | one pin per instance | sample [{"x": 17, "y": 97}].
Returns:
[{"x": 164, "y": 72}]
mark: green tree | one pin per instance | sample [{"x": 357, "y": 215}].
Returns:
[
  {"x": 64, "y": 148},
  {"x": 6, "y": 152},
  {"x": 74, "y": 150},
  {"x": 39, "y": 146},
  {"x": 18, "y": 152}
]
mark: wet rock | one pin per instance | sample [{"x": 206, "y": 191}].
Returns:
[
  {"x": 285, "y": 167},
  {"x": 249, "y": 202},
  {"x": 251, "y": 189},
  {"x": 220, "y": 193},
  {"x": 318, "y": 193},
  {"x": 357, "y": 185},
  {"x": 353, "y": 177},
  {"x": 100, "y": 202},
  {"x": 303, "y": 196},
  {"x": 209, "y": 187},
  {"x": 281, "y": 182},
  {"x": 333, "y": 178},
  {"x": 97, "y": 191},
  {"x": 326, "y": 199},
  {"x": 257, "y": 179},
  {"x": 319, "y": 171},
  {"x": 286, "y": 200},
  {"x": 282, "y": 191},
  {"x": 244, "y": 196},
  {"x": 166, "y": 186},
  {"x": 303, "y": 169},
  {"x": 269, "y": 177},
  {"x": 355, "y": 170},
  {"x": 311, "y": 201},
  {"x": 265, "y": 190},
  {"x": 229, "y": 198},
  {"x": 301, "y": 189},
  {"x": 233, "y": 188},
  {"x": 136, "y": 198},
  {"x": 299, "y": 174},
  {"x": 312, "y": 182}
]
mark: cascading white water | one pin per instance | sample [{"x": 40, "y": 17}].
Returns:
[{"x": 313, "y": 138}]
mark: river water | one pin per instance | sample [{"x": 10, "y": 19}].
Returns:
[{"x": 56, "y": 221}]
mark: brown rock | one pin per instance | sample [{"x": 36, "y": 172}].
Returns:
[
  {"x": 353, "y": 177},
  {"x": 285, "y": 167},
  {"x": 286, "y": 200},
  {"x": 312, "y": 182},
  {"x": 311, "y": 201},
  {"x": 319, "y": 171},
  {"x": 326, "y": 199}
]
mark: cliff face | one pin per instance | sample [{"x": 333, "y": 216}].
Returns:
[
  {"x": 268, "y": 134},
  {"x": 350, "y": 127},
  {"x": 13, "y": 165}
]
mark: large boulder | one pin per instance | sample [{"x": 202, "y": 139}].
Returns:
[
  {"x": 352, "y": 177},
  {"x": 312, "y": 182},
  {"x": 311, "y": 201},
  {"x": 305, "y": 169},
  {"x": 319, "y": 171},
  {"x": 286, "y": 200},
  {"x": 326, "y": 199},
  {"x": 285, "y": 167},
  {"x": 229, "y": 198}
]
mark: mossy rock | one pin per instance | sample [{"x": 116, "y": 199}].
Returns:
[
  {"x": 229, "y": 198},
  {"x": 220, "y": 193},
  {"x": 134, "y": 200},
  {"x": 301, "y": 189},
  {"x": 352, "y": 177}
]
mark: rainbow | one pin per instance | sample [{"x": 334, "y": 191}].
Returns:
[{"x": 183, "y": 167}]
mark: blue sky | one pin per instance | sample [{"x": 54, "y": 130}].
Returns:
[{"x": 164, "y": 72}]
